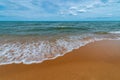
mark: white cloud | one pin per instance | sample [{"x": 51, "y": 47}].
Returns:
[
  {"x": 72, "y": 13},
  {"x": 81, "y": 11},
  {"x": 33, "y": 8},
  {"x": 79, "y": 8},
  {"x": 73, "y": 8}
]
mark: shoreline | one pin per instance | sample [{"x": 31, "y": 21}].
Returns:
[
  {"x": 51, "y": 57},
  {"x": 99, "y": 60}
]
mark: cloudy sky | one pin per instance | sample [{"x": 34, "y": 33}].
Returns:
[{"x": 51, "y": 10}]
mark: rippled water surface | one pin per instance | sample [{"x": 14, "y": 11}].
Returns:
[{"x": 34, "y": 42}]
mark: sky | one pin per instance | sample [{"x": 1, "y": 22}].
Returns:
[{"x": 59, "y": 10}]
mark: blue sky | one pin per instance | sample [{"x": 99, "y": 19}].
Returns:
[{"x": 63, "y": 10}]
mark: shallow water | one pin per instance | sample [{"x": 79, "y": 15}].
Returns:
[{"x": 34, "y": 42}]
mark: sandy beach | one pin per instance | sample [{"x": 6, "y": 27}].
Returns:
[{"x": 95, "y": 61}]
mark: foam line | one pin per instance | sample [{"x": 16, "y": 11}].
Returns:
[{"x": 37, "y": 52}]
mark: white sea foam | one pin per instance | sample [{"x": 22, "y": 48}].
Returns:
[
  {"x": 37, "y": 52},
  {"x": 115, "y": 32}
]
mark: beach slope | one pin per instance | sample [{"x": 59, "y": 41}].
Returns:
[{"x": 96, "y": 61}]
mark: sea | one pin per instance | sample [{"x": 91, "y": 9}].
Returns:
[{"x": 30, "y": 42}]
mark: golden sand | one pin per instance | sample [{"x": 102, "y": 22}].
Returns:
[{"x": 95, "y": 61}]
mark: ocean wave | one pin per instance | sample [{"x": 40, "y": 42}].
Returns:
[
  {"x": 37, "y": 52},
  {"x": 115, "y": 32},
  {"x": 69, "y": 27},
  {"x": 101, "y": 32}
]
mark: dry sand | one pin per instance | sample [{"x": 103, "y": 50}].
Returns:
[{"x": 95, "y": 61}]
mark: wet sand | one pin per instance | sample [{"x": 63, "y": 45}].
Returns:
[{"x": 95, "y": 61}]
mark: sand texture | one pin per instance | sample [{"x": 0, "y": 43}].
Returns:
[{"x": 95, "y": 61}]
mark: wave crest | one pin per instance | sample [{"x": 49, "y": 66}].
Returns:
[{"x": 36, "y": 52}]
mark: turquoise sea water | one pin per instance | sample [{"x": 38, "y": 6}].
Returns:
[
  {"x": 34, "y": 42},
  {"x": 56, "y": 28}
]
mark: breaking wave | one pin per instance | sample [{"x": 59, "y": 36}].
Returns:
[
  {"x": 35, "y": 42},
  {"x": 37, "y": 52},
  {"x": 115, "y": 32}
]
